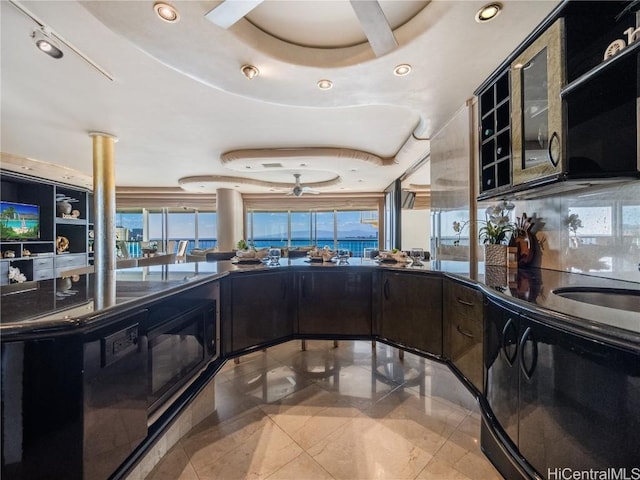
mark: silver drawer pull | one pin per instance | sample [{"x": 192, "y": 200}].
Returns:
[
  {"x": 464, "y": 332},
  {"x": 463, "y": 302}
]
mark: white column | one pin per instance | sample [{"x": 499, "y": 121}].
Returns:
[{"x": 229, "y": 208}]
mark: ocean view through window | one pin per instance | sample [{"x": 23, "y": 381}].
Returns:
[{"x": 352, "y": 230}]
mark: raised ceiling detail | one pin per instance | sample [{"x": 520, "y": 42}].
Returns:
[
  {"x": 209, "y": 183},
  {"x": 293, "y": 157}
]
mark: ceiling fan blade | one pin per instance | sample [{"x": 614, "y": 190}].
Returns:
[
  {"x": 312, "y": 192},
  {"x": 230, "y": 11},
  {"x": 375, "y": 26}
]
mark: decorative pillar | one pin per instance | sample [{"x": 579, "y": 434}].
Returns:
[
  {"x": 229, "y": 209},
  {"x": 104, "y": 202}
]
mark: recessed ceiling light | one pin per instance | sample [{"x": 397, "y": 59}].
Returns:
[
  {"x": 166, "y": 12},
  {"x": 488, "y": 12},
  {"x": 325, "y": 84},
  {"x": 303, "y": 164},
  {"x": 402, "y": 70},
  {"x": 24, "y": 167},
  {"x": 46, "y": 44},
  {"x": 248, "y": 166},
  {"x": 249, "y": 71}
]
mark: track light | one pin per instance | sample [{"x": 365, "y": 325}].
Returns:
[{"x": 46, "y": 44}]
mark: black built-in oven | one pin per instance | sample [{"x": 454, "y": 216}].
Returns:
[{"x": 182, "y": 340}]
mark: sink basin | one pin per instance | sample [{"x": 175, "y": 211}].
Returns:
[{"x": 618, "y": 298}]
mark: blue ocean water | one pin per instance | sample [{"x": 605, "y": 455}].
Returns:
[{"x": 355, "y": 246}]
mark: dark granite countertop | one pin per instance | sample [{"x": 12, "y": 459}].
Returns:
[{"x": 77, "y": 301}]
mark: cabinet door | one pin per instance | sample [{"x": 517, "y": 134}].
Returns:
[
  {"x": 335, "y": 303},
  {"x": 537, "y": 76},
  {"x": 260, "y": 309},
  {"x": 412, "y": 311},
  {"x": 462, "y": 310},
  {"x": 579, "y": 401},
  {"x": 501, "y": 363}
]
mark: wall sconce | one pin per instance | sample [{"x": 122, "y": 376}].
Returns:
[{"x": 46, "y": 44}]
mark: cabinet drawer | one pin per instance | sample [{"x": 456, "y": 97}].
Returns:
[
  {"x": 463, "y": 302},
  {"x": 45, "y": 263},
  {"x": 70, "y": 260},
  {"x": 43, "y": 274}
]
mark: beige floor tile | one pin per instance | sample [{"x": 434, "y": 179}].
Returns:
[
  {"x": 310, "y": 415},
  {"x": 206, "y": 445},
  {"x": 438, "y": 470},
  {"x": 350, "y": 412},
  {"x": 358, "y": 385},
  {"x": 259, "y": 455},
  {"x": 254, "y": 362},
  {"x": 174, "y": 465},
  {"x": 303, "y": 467},
  {"x": 462, "y": 452},
  {"x": 364, "y": 449},
  {"x": 269, "y": 385}
]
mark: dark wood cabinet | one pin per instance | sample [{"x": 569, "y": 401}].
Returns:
[
  {"x": 335, "y": 303},
  {"x": 261, "y": 309},
  {"x": 547, "y": 386},
  {"x": 463, "y": 330},
  {"x": 411, "y": 310}
]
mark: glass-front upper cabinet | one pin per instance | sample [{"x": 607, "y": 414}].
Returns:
[{"x": 537, "y": 77}]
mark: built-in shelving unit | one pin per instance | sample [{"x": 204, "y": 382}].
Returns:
[
  {"x": 593, "y": 135},
  {"x": 495, "y": 134},
  {"x": 63, "y": 219}
]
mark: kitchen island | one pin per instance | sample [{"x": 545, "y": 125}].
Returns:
[{"x": 103, "y": 335}]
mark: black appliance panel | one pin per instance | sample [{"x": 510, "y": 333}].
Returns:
[
  {"x": 115, "y": 396},
  {"x": 178, "y": 348}
]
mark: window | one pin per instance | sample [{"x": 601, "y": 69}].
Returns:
[
  {"x": 353, "y": 230},
  {"x": 353, "y": 234},
  {"x": 301, "y": 229},
  {"x": 163, "y": 224},
  {"x": 269, "y": 229}
]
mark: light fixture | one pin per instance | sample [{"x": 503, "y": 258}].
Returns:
[
  {"x": 45, "y": 43},
  {"x": 325, "y": 84},
  {"x": 402, "y": 70},
  {"x": 166, "y": 12},
  {"x": 249, "y": 71},
  {"x": 488, "y": 12}
]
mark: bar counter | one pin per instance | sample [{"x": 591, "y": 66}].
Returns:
[{"x": 53, "y": 306}]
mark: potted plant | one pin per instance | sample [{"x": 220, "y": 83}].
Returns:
[{"x": 495, "y": 233}]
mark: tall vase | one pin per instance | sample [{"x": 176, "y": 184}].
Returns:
[{"x": 495, "y": 254}]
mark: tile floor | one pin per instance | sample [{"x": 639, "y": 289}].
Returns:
[{"x": 350, "y": 412}]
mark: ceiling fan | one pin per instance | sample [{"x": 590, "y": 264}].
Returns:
[
  {"x": 369, "y": 13},
  {"x": 298, "y": 190}
]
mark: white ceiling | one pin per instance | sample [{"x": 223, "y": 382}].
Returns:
[{"x": 178, "y": 100}]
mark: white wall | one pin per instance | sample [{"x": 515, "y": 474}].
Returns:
[{"x": 416, "y": 229}]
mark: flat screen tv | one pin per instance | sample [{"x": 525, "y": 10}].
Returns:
[{"x": 19, "y": 221}]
